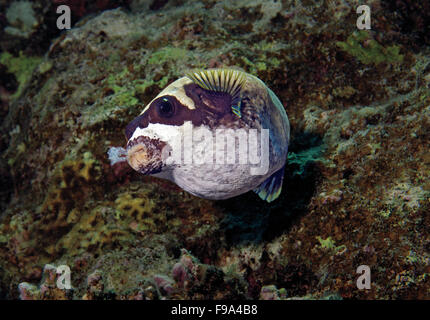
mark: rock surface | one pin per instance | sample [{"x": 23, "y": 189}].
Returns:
[{"x": 356, "y": 188}]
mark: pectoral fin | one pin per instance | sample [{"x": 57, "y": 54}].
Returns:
[{"x": 271, "y": 188}]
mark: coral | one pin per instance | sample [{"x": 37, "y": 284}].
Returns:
[
  {"x": 132, "y": 273},
  {"x": 198, "y": 280},
  {"x": 164, "y": 284},
  {"x": 61, "y": 207},
  {"x": 139, "y": 209},
  {"x": 269, "y": 293},
  {"x": 48, "y": 288}
]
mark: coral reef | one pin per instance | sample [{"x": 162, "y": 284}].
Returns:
[
  {"x": 47, "y": 290},
  {"x": 356, "y": 189},
  {"x": 131, "y": 274}
]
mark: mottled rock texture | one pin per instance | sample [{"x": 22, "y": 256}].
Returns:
[{"x": 356, "y": 188}]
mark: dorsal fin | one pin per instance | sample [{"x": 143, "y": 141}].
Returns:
[{"x": 220, "y": 80}]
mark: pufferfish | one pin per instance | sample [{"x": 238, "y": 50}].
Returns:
[{"x": 216, "y": 133}]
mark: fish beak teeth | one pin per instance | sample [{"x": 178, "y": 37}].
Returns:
[{"x": 144, "y": 154}]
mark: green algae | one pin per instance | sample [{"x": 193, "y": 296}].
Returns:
[
  {"x": 115, "y": 79},
  {"x": 123, "y": 90},
  {"x": 22, "y": 67},
  {"x": 3, "y": 239},
  {"x": 369, "y": 51},
  {"x": 168, "y": 54},
  {"x": 125, "y": 97},
  {"x": 261, "y": 64},
  {"x": 141, "y": 87},
  {"x": 326, "y": 243},
  {"x": 329, "y": 243},
  {"x": 163, "y": 81}
]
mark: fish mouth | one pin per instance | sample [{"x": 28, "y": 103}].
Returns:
[{"x": 144, "y": 154}]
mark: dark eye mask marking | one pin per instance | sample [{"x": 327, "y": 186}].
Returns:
[{"x": 210, "y": 106}]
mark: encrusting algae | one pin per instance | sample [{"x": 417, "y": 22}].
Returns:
[{"x": 356, "y": 182}]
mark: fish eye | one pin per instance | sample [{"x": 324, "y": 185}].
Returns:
[{"x": 165, "y": 108}]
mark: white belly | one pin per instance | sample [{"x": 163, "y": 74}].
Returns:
[{"x": 216, "y": 181}]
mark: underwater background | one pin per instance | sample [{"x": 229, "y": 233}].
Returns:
[{"x": 356, "y": 187}]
